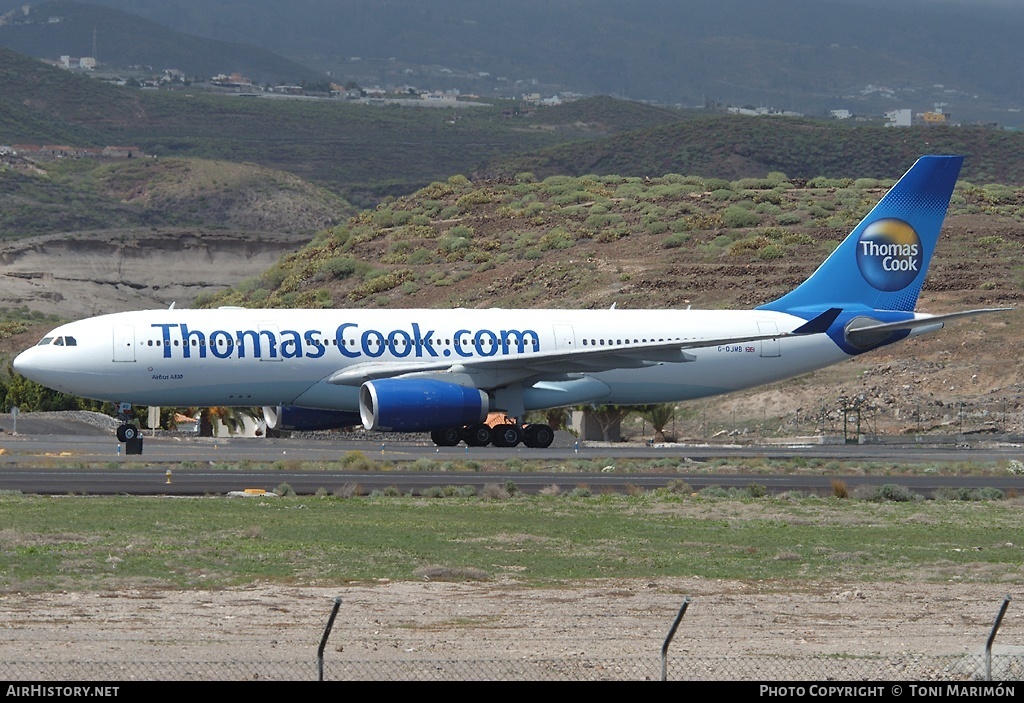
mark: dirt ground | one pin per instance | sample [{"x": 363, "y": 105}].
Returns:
[{"x": 476, "y": 621}]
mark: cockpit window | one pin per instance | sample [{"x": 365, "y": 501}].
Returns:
[{"x": 66, "y": 341}]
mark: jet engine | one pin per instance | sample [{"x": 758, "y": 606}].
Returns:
[
  {"x": 418, "y": 405},
  {"x": 294, "y": 417}
]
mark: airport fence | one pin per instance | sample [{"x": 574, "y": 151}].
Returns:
[
  {"x": 848, "y": 417},
  {"x": 902, "y": 667}
]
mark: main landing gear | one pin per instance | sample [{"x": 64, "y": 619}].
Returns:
[{"x": 535, "y": 436}]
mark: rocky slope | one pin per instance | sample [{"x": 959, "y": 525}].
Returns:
[{"x": 91, "y": 273}]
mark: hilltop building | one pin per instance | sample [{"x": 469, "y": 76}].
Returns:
[{"x": 899, "y": 118}]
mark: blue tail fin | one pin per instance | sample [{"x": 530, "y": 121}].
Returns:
[{"x": 881, "y": 265}]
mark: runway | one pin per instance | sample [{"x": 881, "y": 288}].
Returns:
[{"x": 96, "y": 464}]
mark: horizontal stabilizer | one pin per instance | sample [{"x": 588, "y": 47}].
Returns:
[{"x": 867, "y": 335}]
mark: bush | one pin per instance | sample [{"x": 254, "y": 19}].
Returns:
[
  {"x": 772, "y": 251},
  {"x": 355, "y": 461},
  {"x": 492, "y": 491},
  {"x": 757, "y": 490},
  {"x": 348, "y": 490},
  {"x": 966, "y": 494},
  {"x": 677, "y": 485},
  {"x": 675, "y": 240},
  {"x": 890, "y": 492},
  {"x": 339, "y": 267},
  {"x": 840, "y": 489}
]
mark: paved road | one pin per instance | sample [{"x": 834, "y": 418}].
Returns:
[{"x": 56, "y": 464}]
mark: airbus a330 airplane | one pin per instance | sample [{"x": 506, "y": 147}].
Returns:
[{"x": 442, "y": 371}]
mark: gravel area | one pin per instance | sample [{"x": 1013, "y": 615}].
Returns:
[{"x": 472, "y": 620}]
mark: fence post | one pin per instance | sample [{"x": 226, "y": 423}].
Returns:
[
  {"x": 323, "y": 640},
  {"x": 992, "y": 637},
  {"x": 669, "y": 636}
]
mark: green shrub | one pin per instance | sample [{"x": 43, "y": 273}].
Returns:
[
  {"x": 461, "y": 231},
  {"x": 890, "y": 492},
  {"x": 771, "y": 251},
  {"x": 969, "y": 494},
  {"x": 285, "y": 491},
  {"x": 340, "y": 267},
  {"x": 757, "y": 490},
  {"x": 680, "y": 486},
  {"x": 421, "y": 257}
]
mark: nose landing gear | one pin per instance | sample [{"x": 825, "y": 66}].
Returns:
[{"x": 126, "y": 431}]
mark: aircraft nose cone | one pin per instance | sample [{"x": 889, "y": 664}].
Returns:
[
  {"x": 22, "y": 363},
  {"x": 29, "y": 365}
]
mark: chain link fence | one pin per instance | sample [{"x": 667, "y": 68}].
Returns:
[
  {"x": 847, "y": 417},
  {"x": 905, "y": 667}
]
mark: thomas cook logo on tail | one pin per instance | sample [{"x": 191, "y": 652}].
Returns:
[{"x": 889, "y": 254}]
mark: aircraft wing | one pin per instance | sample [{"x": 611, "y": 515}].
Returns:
[{"x": 558, "y": 363}]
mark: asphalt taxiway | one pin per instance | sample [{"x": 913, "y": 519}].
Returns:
[{"x": 95, "y": 463}]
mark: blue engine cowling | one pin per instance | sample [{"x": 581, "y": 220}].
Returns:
[
  {"x": 294, "y": 417},
  {"x": 419, "y": 405}
]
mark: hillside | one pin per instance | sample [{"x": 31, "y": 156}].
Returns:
[
  {"x": 597, "y": 240},
  {"x": 43, "y": 104},
  {"x": 678, "y": 241},
  {"x": 365, "y": 153},
  {"x": 88, "y": 236},
  {"x": 735, "y": 146},
  {"x": 361, "y": 152},
  {"x": 120, "y": 39},
  {"x": 70, "y": 195},
  {"x": 867, "y": 56}
]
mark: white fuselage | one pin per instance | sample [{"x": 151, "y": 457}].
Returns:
[{"x": 249, "y": 357}]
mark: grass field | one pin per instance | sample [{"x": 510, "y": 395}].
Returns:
[{"x": 102, "y": 543}]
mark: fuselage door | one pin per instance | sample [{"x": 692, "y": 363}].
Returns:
[
  {"x": 565, "y": 338},
  {"x": 124, "y": 343},
  {"x": 269, "y": 338},
  {"x": 769, "y": 347}
]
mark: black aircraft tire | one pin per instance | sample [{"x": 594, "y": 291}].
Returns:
[
  {"x": 538, "y": 436},
  {"x": 477, "y": 435},
  {"x": 448, "y": 437},
  {"x": 126, "y": 433},
  {"x": 506, "y": 435}
]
